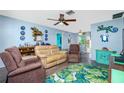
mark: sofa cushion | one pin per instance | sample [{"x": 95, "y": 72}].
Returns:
[
  {"x": 25, "y": 69},
  {"x": 51, "y": 64},
  {"x": 52, "y": 58},
  {"x": 14, "y": 51},
  {"x": 55, "y": 57},
  {"x": 8, "y": 61},
  {"x": 55, "y": 51},
  {"x": 62, "y": 56},
  {"x": 29, "y": 60},
  {"x": 42, "y": 50},
  {"x": 61, "y": 61},
  {"x": 21, "y": 64},
  {"x": 46, "y": 52},
  {"x": 42, "y": 55}
]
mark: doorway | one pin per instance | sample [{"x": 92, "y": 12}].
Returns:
[
  {"x": 85, "y": 42},
  {"x": 59, "y": 40}
]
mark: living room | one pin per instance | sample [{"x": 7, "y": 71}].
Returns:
[{"x": 61, "y": 46}]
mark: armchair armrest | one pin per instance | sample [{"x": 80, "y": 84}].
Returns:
[
  {"x": 43, "y": 59},
  {"x": 25, "y": 69},
  {"x": 30, "y": 59}
]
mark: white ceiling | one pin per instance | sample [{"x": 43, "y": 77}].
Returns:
[{"x": 84, "y": 17}]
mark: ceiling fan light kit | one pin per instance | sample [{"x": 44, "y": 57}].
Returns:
[{"x": 61, "y": 20}]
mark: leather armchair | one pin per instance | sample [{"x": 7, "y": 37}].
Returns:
[
  {"x": 18, "y": 71},
  {"x": 74, "y": 53}
]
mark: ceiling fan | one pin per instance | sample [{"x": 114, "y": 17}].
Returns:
[{"x": 61, "y": 19}]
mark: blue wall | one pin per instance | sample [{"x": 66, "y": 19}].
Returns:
[
  {"x": 115, "y": 39},
  {"x": 10, "y": 33}
]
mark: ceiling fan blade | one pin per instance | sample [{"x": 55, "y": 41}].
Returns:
[
  {"x": 53, "y": 19},
  {"x": 57, "y": 23},
  {"x": 65, "y": 23},
  {"x": 70, "y": 20}
]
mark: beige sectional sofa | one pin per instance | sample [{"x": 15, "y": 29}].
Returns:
[{"x": 50, "y": 55}]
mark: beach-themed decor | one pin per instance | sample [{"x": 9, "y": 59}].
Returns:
[
  {"x": 36, "y": 33},
  {"x": 107, "y": 29},
  {"x": 22, "y": 32}
]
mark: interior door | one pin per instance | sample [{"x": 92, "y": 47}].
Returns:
[{"x": 59, "y": 40}]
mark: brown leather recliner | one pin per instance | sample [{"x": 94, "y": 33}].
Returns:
[
  {"x": 19, "y": 71},
  {"x": 74, "y": 53}
]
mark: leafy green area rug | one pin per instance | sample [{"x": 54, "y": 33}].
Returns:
[{"x": 79, "y": 73}]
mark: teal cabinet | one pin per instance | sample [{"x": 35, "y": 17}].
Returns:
[
  {"x": 59, "y": 40},
  {"x": 102, "y": 56}
]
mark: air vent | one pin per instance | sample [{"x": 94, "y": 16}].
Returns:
[
  {"x": 118, "y": 15},
  {"x": 71, "y": 12}
]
